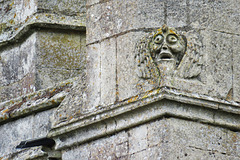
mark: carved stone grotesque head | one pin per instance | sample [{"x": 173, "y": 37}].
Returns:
[
  {"x": 160, "y": 51},
  {"x": 167, "y": 44}
]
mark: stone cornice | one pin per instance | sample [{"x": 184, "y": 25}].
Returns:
[
  {"x": 34, "y": 102},
  {"x": 162, "y": 102},
  {"x": 42, "y": 20}
]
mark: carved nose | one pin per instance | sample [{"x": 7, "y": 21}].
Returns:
[{"x": 164, "y": 47}]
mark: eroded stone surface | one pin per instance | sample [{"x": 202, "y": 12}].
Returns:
[
  {"x": 217, "y": 70},
  {"x": 59, "y": 54},
  {"x": 163, "y": 139},
  {"x": 108, "y": 99},
  {"x": 18, "y": 14},
  {"x": 108, "y": 71},
  {"x": 218, "y": 15},
  {"x": 40, "y": 61},
  {"x": 43, "y": 99},
  {"x": 236, "y": 69},
  {"x": 31, "y": 127}
]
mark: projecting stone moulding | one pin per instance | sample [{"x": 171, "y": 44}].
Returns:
[{"x": 144, "y": 108}]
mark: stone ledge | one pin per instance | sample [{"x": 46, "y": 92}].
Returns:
[
  {"x": 141, "y": 109},
  {"x": 34, "y": 102},
  {"x": 43, "y": 20},
  {"x": 28, "y": 154}
]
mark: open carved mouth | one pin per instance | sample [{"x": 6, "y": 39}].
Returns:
[{"x": 165, "y": 56}]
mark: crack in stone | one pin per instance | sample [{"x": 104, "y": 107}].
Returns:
[{"x": 213, "y": 151}]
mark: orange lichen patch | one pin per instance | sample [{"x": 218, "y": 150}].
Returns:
[
  {"x": 5, "y": 111},
  {"x": 16, "y": 29},
  {"x": 11, "y": 21},
  {"x": 158, "y": 90},
  {"x": 27, "y": 19},
  {"x": 15, "y": 15},
  {"x": 5, "y": 117},
  {"x": 68, "y": 83},
  {"x": 234, "y": 138},
  {"x": 159, "y": 30},
  {"x": 147, "y": 94},
  {"x": 132, "y": 99},
  {"x": 12, "y": 4},
  {"x": 16, "y": 106},
  {"x": 230, "y": 95},
  {"x": 152, "y": 82},
  {"x": 171, "y": 31},
  {"x": 53, "y": 90}
]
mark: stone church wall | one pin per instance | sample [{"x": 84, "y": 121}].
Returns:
[{"x": 115, "y": 92}]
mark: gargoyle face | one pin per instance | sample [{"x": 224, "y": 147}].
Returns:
[{"x": 167, "y": 45}]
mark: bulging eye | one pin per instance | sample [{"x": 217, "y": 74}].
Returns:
[
  {"x": 172, "y": 38},
  {"x": 158, "y": 39}
]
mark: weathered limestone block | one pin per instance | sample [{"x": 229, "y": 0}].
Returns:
[
  {"x": 42, "y": 60},
  {"x": 137, "y": 139},
  {"x": 19, "y": 15},
  {"x": 218, "y": 63},
  {"x": 100, "y": 149},
  {"x": 236, "y": 68},
  {"x": 94, "y": 74},
  {"x": 23, "y": 129},
  {"x": 58, "y": 46},
  {"x": 148, "y": 15},
  {"x": 108, "y": 71},
  {"x": 222, "y": 140},
  {"x": 167, "y": 138},
  {"x": 29, "y": 54},
  {"x": 59, "y": 53},
  {"x": 30, "y": 127},
  {"x": 74, "y": 104},
  {"x": 176, "y": 13},
  {"x": 18, "y": 69},
  {"x": 93, "y": 29},
  {"x": 14, "y": 132},
  {"x": 91, "y": 2},
  {"x": 109, "y": 18},
  {"x": 66, "y": 7},
  {"x": 106, "y": 19},
  {"x": 218, "y": 15}
]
